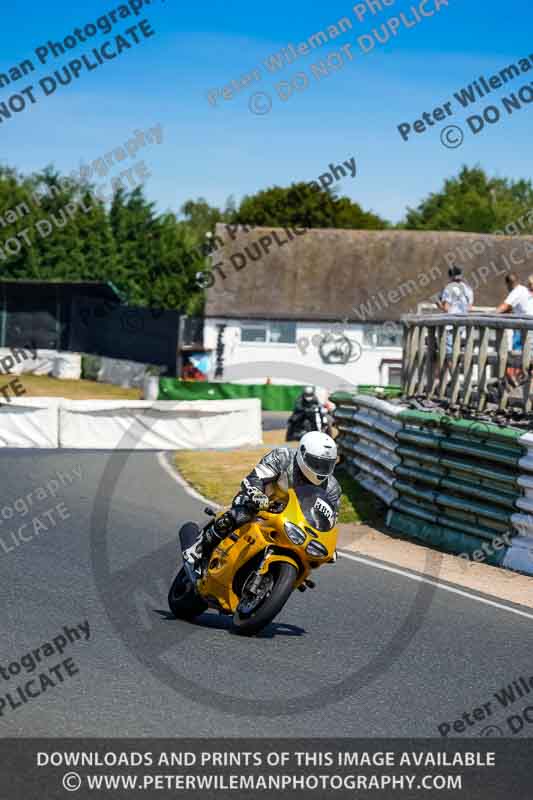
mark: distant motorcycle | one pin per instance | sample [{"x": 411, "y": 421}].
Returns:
[{"x": 304, "y": 420}]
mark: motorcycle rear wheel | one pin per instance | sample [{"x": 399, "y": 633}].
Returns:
[
  {"x": 183, "y": 600},
  {"x": 249, "y": 624}
]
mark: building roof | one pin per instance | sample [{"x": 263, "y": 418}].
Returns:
[{"x": 331, "y": 274}]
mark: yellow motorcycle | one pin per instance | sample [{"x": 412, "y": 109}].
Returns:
[{"x": 255, "y": 569}]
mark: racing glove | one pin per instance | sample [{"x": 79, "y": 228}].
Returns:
[{"x": 260, "y": 500}]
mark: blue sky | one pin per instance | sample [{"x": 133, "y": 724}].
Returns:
[{"x": 226, "y": 150}]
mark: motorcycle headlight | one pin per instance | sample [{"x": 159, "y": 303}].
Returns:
[
  {"x": 316, "y": 549},
  {"x": 295, "y": 534}
]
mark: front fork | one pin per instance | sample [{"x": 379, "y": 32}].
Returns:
[
  {"x": 303, "y": 581},
  {"x": 191, "y": 573},
  {"x": 187, "y": 537},
  {"x": 271, "y": 556}
]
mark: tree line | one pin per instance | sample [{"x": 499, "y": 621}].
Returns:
[{"x": 153, "y": 258}]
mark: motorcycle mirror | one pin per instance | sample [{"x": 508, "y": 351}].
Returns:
[{"x": 210, "y": 512}]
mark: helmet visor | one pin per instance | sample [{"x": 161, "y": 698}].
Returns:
[{"x": 321, "y": 465}]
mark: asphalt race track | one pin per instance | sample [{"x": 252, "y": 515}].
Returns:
[
  {"x": 368, "y": 653},
  {"x": 275, "y": 420}
]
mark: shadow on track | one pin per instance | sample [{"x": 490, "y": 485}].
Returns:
[{"x": 222, "y": 622}]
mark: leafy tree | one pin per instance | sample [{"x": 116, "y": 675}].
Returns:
[
  {"x": 71, "y": 235},
  {"x": 135, "y": 233},
  {"x": 75, "y": 241},
  {"x": 175, "y": 283},
  {"x": 200, "y": 218},
  {"x": 198, "y": 226},
  {"x": 473, "y": 202},
  {"x": 303, "y": 205},
  {"x": 64, "y": 232},
  {"x": 96, "y": 243},
  {"x": 154, "y": 268},
  {"x": 67, "y": 233},
  {"x": 18, "y": 216}
]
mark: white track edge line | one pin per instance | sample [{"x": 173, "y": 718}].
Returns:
[
  {"x": 180, "y": 480},
  {"x": 444, "y": 586}
]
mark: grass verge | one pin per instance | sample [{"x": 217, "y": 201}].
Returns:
[
  {"x": 45, "y": 386},
  {"x": 218, "y": 474}
]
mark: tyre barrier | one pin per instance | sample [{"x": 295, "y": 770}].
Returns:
[
  {"x": 465, "y": 487},
  {"x": 367, "y": 438}
]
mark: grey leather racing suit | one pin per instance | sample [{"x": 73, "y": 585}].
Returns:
[{"x": 275, "y": 474}]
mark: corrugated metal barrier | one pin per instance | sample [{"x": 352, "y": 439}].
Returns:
[{"x": 463, "y": 486}]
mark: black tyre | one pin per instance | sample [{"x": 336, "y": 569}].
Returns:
[
  {"x": 183, "y": 600},
  {"x": 248, "y": 622}
]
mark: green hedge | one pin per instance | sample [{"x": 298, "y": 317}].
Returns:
[{"x": 273, "y": 397}]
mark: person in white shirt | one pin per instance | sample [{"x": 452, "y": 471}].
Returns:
[
  {"x": 530, "y": 298},
  {"x": 517, "y": 303},
  {"x": 457, "y": 297},
  {"x": 517, "y": 300}
]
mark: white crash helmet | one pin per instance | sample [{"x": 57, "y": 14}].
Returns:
[{"x": 317, "y": 456}]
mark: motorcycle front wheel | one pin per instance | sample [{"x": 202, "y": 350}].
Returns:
[
  {"x": 255, "y": 613},
  {"x": 183, "y": 600}
]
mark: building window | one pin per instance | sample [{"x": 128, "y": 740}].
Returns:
[
  {"x": 283, "y": 332},
  {"x": 383, "y": 335},
  {"x": 395, "y": 376},
  {"x": 269, "y": 332},
  {"x": 254, "y": 333}
]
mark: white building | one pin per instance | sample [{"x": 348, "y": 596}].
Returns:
[
  {"x": 291, "y": 305},
  {"x": 354, "y": 354},
  {"x": 276, "y": 294}
]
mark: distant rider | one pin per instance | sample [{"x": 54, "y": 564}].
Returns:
[
  {"x": 284, "y": 468},
  {"x": 304, "y": 416},
  {"x": 308, "y": 399}
]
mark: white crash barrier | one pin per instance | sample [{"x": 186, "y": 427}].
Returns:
[
  {"x": 30, "y": 422},
  {"x": 17, "y": 361},
  {"x": 164, "y": 425},
  {"x": 121, "y": 373},
  {"x": 67, "y": 366},
  {"x": 50, "y": 422}
]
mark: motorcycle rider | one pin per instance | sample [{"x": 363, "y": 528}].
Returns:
[
  {"x": 307, "y": 399},
  {"x": 303, "y": 416},
  {"x": 284, "y": 468}
]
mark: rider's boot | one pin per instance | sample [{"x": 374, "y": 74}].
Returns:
[
  {"x": 203, "y": 546},
  {"x": 216, "y": 531}
]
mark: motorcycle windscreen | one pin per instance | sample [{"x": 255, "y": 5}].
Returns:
[{"x": 316, "y": 507}]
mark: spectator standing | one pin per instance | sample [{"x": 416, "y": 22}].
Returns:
[
  {"x": 530, "y": 297},
  {"x": 517, "y": 300},
  {"x": 517, "y": 303},
  {"x": 457, "y": 297}
]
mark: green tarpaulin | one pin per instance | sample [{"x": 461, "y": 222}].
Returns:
[
  {"x": 385, "y": 392},
  {"x": 273, "y": 398},
  {"x": 381, "y": 392}
]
